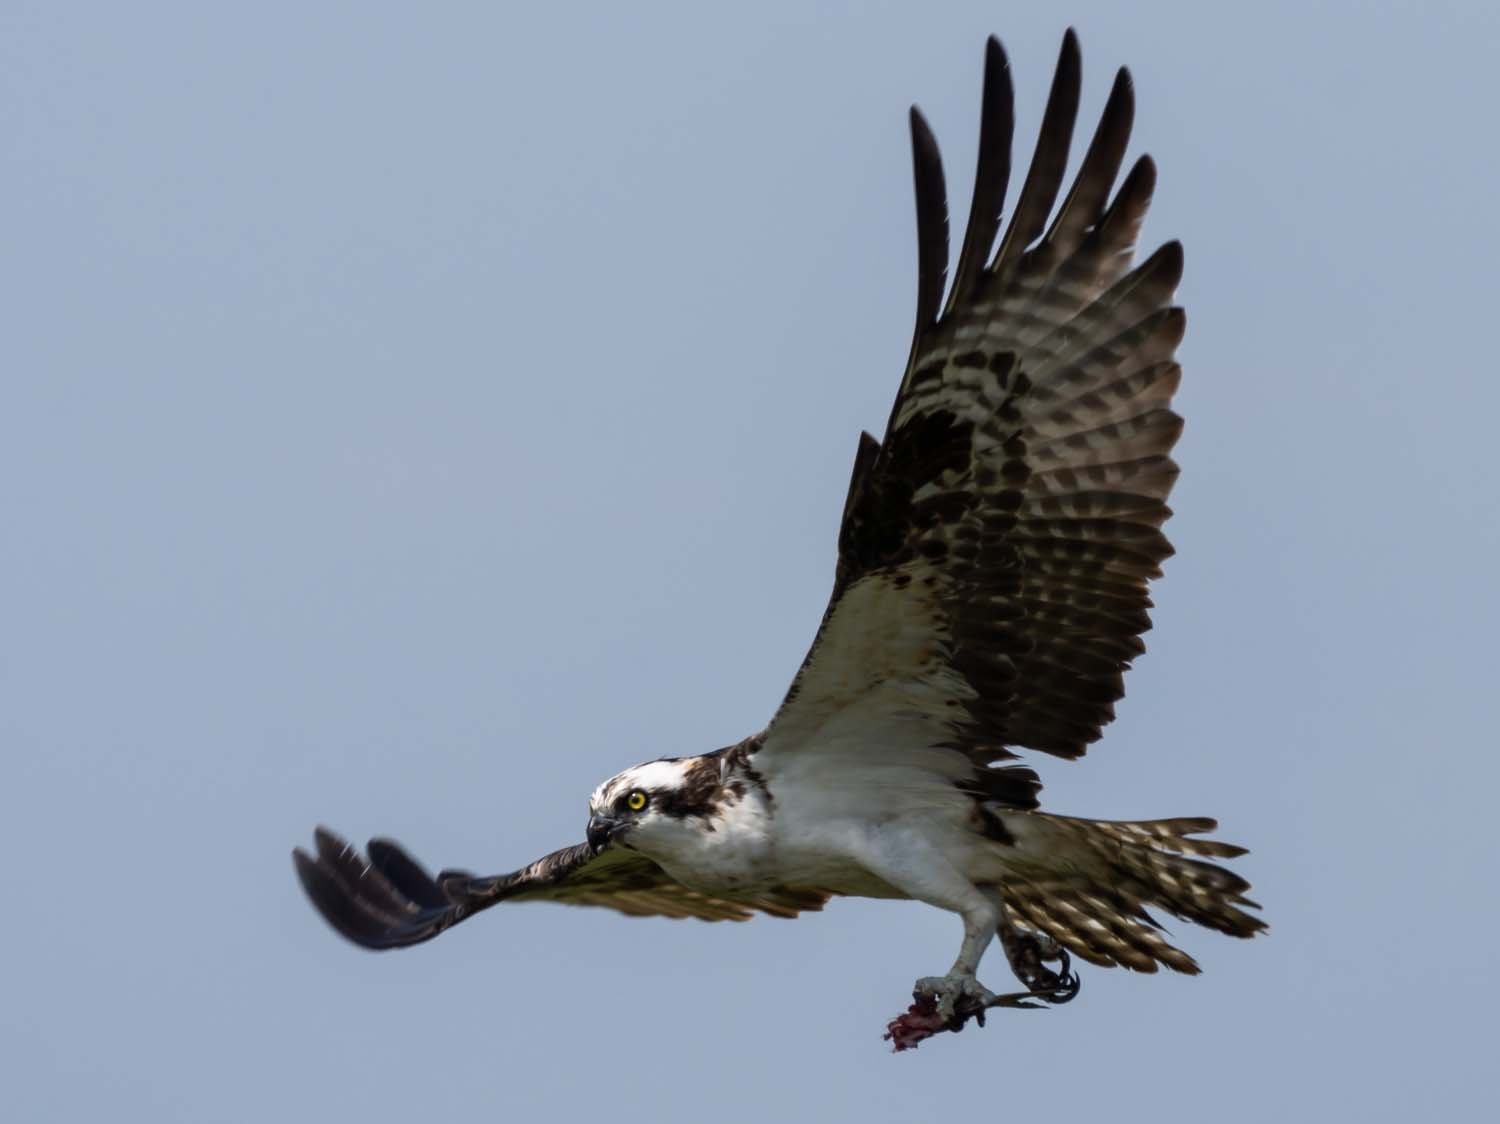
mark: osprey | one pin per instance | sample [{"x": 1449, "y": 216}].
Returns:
[{"x": 990, "y": 590}]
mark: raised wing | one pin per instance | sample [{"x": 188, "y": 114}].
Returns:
[
  {"x": 996, "y": 545},
  {"x": 384, "y": 899}
]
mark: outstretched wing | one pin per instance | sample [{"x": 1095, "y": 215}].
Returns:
[
  {"x": 997, "y": 544},
  {"x": 384, "y": 899}
]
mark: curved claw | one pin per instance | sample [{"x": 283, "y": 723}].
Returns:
[
  {"x": 922, "y": 1019},
  {"x": 1029, "y": 954},
  {"x": 1065, "y": 983}
]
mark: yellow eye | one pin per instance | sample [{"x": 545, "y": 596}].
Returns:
[{"x": 636, "y": 800}]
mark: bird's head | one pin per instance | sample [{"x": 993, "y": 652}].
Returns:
[{"x": 649, "y": 807}]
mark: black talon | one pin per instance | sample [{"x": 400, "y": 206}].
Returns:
[
  {"x": 1028, "y": 953},
  {"x": 1066, "y": 983}
]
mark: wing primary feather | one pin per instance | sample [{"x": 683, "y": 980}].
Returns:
[
  {"x": 352, "y": 915},
  {"x": 997, "y": 123},
  {"x": 405, "y": 874},
  {"x": 1050, "y": 160},
  {"x": 1101, "y": 164},
  {"x": 1117, "y": 231},
  {"x": 864, "y": 463},
  {"x": 331, "y": 899},
  {"x": 365, "y": 884},
  {"x": 932, "y": 223}
]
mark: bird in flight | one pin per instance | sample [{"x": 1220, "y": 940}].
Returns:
[{"x": 990, "y": 591}]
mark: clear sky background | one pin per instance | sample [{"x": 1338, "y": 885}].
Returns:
[{"x": 412, "y": 416}]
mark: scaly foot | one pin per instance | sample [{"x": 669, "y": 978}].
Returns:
[
  {"x": 922, "y": 1019},
  {"x": 952, "y": 991}
]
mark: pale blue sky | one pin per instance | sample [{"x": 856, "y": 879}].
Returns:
[{"x": 411, "y": 416}]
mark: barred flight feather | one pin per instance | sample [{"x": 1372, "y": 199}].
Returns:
[{"x": 1020, "y": 488}]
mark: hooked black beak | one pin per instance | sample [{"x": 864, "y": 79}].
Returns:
[{"x": 601, "y": 830}]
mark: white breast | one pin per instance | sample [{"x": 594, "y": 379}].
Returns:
[{"x": 731, "y": 853}]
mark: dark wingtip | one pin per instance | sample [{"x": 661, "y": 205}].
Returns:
[
  {"x": 922, "y": 135},
  {"x": 1049, "y": 159},
  {"x": 301, "y": 861},
  {"x": 1070, "y": 56},
  {"x": 1173, "y": 254},
  {"x": 994, "y": 55},
  {"x": 991, "y": 173},
  {"x": 333, "y": 900},
  {"x": 388, "y": 902},
  {"x": 932, "y": 220},
  {"x": 406, "y": 874},
  {"x": 329, "y": 843},
  {"x": 1145, "y": 168}
]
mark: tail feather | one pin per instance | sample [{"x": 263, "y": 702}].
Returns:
[
  {"x": 1167, "y": 835},
  {"x": 1101, "y": 928},
  {"x": 1088, "y": 883}
]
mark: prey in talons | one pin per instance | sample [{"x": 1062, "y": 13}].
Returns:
[{"x": 1029, "y": 954}]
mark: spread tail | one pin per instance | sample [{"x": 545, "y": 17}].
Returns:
[{"x": 1088, "y": 884}]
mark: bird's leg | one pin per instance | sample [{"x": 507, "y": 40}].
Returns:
[
  {"x": 961, "y": 985},
  {"x": 948, "y": 1002},
  {"x": 910, "y": 864},
  {"x": 909, "y": 861}
]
